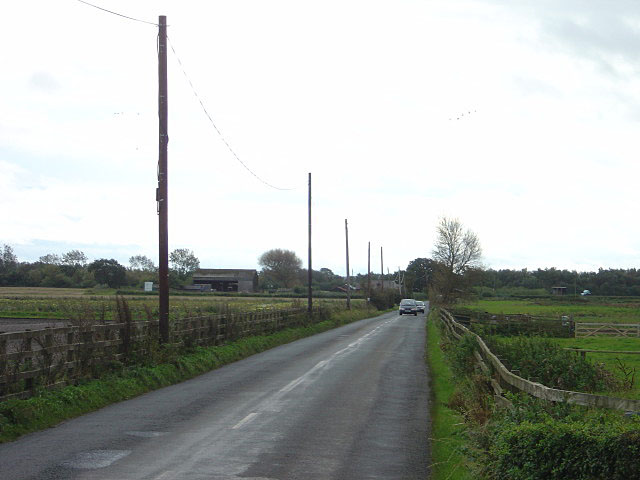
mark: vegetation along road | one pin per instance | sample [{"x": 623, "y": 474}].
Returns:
[{"x": 349, "y": 403}]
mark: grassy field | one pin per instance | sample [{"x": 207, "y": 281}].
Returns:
[
  {"x": 46, "y": 292},
  {"x": 447, "y": 426},
  {"x": 597, "y": 309},
  {"x": 615, "y": 363},
  {"x": 70, "y": 304}
]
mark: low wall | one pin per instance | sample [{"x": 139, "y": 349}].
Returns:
[{"x": 55, "y": 356}]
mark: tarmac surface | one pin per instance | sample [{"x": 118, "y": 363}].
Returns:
[{"x": 351, "y": 403}]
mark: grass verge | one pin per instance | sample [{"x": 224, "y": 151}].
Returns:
[
  {"x": 447, "y": 426},
  {"x": 18, "y": 417}
]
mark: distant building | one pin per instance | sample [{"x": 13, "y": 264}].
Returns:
[
  {"x": 377, "y": 284},
  {"x": 227, "y": 280},
  {"x": 384, "y": 284},
  {"x": 344, "y": 288},
  {"x": 559, "y": 290}
]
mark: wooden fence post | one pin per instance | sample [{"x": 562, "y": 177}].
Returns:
[{"x": 28, "y": 360}]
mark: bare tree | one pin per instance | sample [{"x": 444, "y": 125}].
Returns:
[{"x": 457, "y": 252}]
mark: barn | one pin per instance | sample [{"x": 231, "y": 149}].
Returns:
[{"x": 227, "y": 280}]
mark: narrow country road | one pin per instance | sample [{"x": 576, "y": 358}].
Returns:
[{"x": 350, "y": 403}]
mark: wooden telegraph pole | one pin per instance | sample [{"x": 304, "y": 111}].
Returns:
[
  {"x": 309, "y": 273},
  {"x": 369, "y": 272},
  {"x": 161, "y": 192},
  {"x": 381, "y": 270},
  {"x": 346, "y": 234}
]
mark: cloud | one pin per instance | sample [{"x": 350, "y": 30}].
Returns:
[{"x": 44, "y": 82}]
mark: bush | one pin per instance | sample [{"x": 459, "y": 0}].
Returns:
[
  {"x": 548, "y": 363},
  {"x": 460, "y": 355},
  {"x": 556, "y": 449},
  {"x": 384, "y": 299}
]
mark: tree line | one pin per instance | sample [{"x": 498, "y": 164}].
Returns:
[
  {"x": 73, "y": 270},
  {"x": 453, "y": 271},
  {"x": 610, "y": 282}
]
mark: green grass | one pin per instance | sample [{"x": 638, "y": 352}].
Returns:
[
  {"x": 102, "y": 308},
  {"x": 447, "y": 427},
  {"x": 49, "y": 408},
  {"x": 611, "y": 360},
  {"x": 598, "y": 309},
  {"x": 594, "y": 309}
]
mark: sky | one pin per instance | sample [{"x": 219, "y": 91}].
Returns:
[{"x": 520, "y": 118}]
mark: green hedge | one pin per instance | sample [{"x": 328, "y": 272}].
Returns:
[{"x": 566, "y": 450}]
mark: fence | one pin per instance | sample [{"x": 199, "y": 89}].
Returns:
[
  {"x": 607, "y": 329},
  {"x": 510, "y": 380},
  {"x": 58, "y": 356},
  {"x": 515, "y": 324}
]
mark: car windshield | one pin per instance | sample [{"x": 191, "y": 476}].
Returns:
[
  {"x": 407, "y": 302},
  {"x": 419, "y": 303}
]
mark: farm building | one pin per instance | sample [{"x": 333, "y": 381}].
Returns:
[
  {"x": 559, "y": 290},
  {"x": 227, "y": 280}
]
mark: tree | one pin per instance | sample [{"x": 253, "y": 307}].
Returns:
[
  {"x": 8, "y": 259},
  {"x": 142, "y": 262},
  {"x": 50, "y": 259},
  {"x": 280, "y": 266},
  {"x": 183, "y": 262},
  {"x": 74, "y": 258},
  {"x": 419, "y": 274},
  {"x": 109, "y": 272},
  {"x": 457, "y": 253}
]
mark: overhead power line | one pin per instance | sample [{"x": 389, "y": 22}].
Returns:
[
  {"x": 116, "y": 13},
  {"x": 224, "y": 140}
]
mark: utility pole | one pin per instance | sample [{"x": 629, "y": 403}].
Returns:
[
  {"x": 162, "y": 190},
  {"x": 381, "y": 270},
  {"x": 346, "y": 234},
  {"x": 309, "y": 273},
  {"x": 369, "y": 273}
]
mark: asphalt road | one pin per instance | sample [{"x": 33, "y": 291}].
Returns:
[{"x": 351, "y": 403}]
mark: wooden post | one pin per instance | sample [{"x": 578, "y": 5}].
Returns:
[
  {"x": 162, "y": 191},
  {"x": 346, "y": 234},
  {"x": 381, "y": 271},
  {"x": 368, "y": 272},
  {"x": 309, "y": 273}
]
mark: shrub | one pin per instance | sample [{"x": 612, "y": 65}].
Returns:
[
  {"x": 384, "y": 299},
  {"x": 556, "y": 449},
  {"x": 548, "y": 363}
]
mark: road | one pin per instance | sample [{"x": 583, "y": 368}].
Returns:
[{"x": 350, "y": 403}]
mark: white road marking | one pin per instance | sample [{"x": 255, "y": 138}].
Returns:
[
  {"x": 164, "y": 475},
  {"x": 95, "y": 459},
  {"x": 245, "y": 420},
  {"x": 274, "y": 403},
  {"x": 145, "y": 434}
]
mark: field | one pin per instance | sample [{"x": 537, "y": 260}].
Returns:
[
  {"x": 598, "y": 309},
  {"x": 36, "y": 305},
  {"x": 44, "y": 292}
]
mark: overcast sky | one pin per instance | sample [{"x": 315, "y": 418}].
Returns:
[{"x": 520, "y": 118}]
